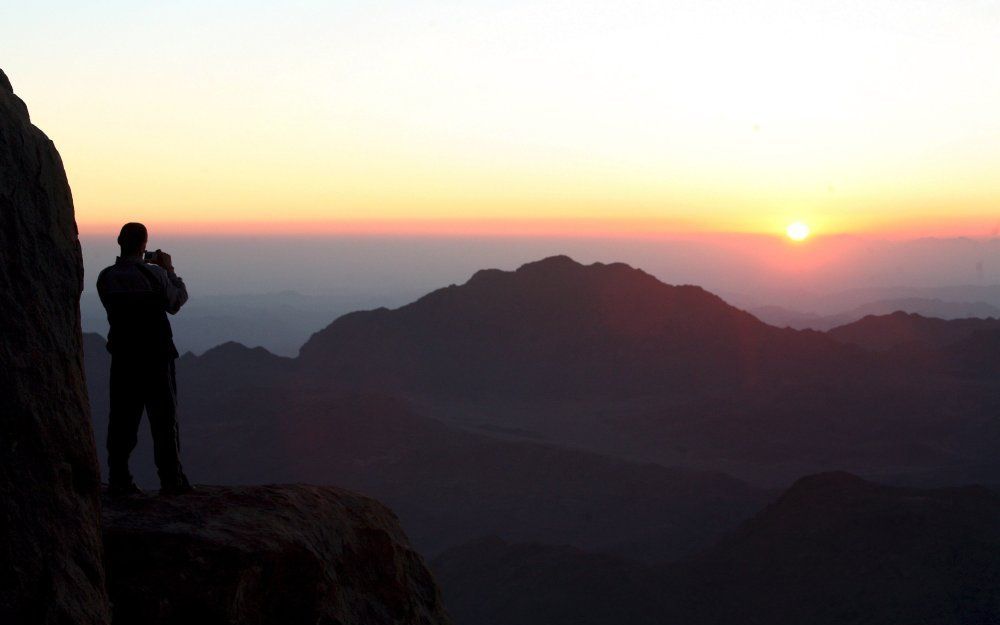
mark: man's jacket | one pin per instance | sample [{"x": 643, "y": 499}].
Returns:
[{"x": 137, "y": 297}]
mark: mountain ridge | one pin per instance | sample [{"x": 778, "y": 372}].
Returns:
[
  {"x": 604, "y": 327},
  {"x": 901, "y": 330}
]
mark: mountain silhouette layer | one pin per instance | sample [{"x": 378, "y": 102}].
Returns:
[
  {"x": 556, "y": 328},
  {"x": 924, "y": 306},
  {"x": 910, "y": 330},
  {"x": 608, "y": 358}
]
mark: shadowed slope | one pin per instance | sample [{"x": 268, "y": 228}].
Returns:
[
  {"x": 832, "y": 550},
  {"x": 492, "y": 582},
  {"x": 836, "y": 549}
]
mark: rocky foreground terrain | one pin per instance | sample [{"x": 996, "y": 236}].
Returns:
[{"x": 264, "y": 554}]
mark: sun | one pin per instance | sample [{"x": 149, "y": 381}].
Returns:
[{"x": 797, "y": 231}]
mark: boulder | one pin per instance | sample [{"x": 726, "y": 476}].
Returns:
[
  {"x": 50, "y": 549},
  {"x": 282, "y": 555}
]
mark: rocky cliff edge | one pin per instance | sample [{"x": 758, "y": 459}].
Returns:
[{"x": 264, "y": 554}]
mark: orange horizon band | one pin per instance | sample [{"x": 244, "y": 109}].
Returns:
[{"x": 530, "y": 228}]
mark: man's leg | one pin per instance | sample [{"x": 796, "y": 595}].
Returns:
[
  {"x": 123, "y": 422},
  {"x": 161, "y": 407}
]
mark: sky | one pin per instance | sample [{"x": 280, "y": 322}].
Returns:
[{"x": 519, "y": 118}]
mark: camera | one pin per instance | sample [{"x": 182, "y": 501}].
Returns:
[{"x": 149, "y": 257}]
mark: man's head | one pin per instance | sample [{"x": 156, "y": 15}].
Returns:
[{"x": 132, "y": 239}]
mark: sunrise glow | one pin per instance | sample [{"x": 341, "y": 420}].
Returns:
[
  {"x": 797, "y": 231},
  {"x": 708, "y": 117}
]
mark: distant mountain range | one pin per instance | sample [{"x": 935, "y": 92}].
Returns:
[
  {"x": 941, "y": 309},
  {"x": 553, "y": 329},
  {"x": 634, "y": 423},
  {"x": 606, "y": 358},
  {"x": 908, "y": 330},
  {"x": 954, "y": 298},
  {"x": 832, "y": 550},
  {"x": 281, "y": 321}
]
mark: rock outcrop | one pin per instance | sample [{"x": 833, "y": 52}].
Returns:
[
  {"x": 50, "y": 550},
  {"x": 282, "y": 555}
]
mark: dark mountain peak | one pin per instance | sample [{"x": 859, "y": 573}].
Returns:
[
  {"x": 485, "y": 275},
  {"x": 816, "y": 499},
  {"x": 559, "y": 282},
  {"x": 901, "y": 314},
  {"x": 556, "y": 260},
  {"x": 557, "y": 263},
  {"x": 902, "y": 329},
  {"x": 553, "y": 323},
  {"x": 561, "y": 266},
  {"x": 831, "y": 480},
  {"x": 832, "y": 500},
  {"x": 229, "y": 348},
  {"x": 830, "y": 486},
  {"x": 557, "y": 267},
  {"x": 233, "y": 349},
  {"x": 551, "y": 266}
]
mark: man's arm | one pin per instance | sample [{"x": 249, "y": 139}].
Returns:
[
  {"x": 176, "y": 292},
  {"x": 173, "y": 285},
  {"x": 100, "y": 290}
]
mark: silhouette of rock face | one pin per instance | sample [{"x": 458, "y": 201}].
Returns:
[
  {"x": 295, "y": 555},
  {"x": 49, "y": 543}
]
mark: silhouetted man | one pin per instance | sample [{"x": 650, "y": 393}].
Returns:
[{"x": 138, "y": 291}]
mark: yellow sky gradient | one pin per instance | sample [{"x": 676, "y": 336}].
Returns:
[{"x": 531, "y": 118}]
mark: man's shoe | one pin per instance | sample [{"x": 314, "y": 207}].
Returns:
[{"x": 124, "y": 490}]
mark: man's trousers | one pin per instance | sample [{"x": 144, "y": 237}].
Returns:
[{"x": 151, "y": 384}]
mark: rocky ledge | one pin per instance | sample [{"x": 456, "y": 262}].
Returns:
[{"x": 264, "y": 554}]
